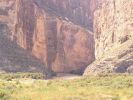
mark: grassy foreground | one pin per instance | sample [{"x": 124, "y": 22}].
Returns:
[{"x": 31, "y": 87}]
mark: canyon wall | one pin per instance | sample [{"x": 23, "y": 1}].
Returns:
[
  {"x": 7, "y": 15},
  {"x": 14, "y": 58},
  {"x": 60, "y": 44},
  {"x": 56, "y": 32},
  {"x": 112, "y": 24},
  {"x": 77, "y": 11},
  {"x": 113, "y": 33}
]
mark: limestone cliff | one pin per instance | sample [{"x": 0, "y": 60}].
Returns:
[{"x": 113, "y": 29}]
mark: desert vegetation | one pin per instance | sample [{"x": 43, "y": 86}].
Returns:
[{"x": 32, "y": 86}]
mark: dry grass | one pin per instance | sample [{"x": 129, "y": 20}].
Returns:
[{"x": 101, "y": 87}]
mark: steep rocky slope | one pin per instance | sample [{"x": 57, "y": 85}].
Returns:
[
  {"x": 41, "y": 27},
  {"x": 113, "y": 28}
]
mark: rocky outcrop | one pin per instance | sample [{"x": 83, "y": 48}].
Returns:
[
  {"x": 113, "y": 28},
  {"x": 61, "y": 45}
]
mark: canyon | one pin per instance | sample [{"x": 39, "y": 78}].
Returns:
[
  {"x": 62, "y": 45},
  {"x": 65, "y": 36}
]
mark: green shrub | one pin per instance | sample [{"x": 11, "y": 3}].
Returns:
[
  {"x": 11, "y": 76},
  {"x": 4, "y": 95}
]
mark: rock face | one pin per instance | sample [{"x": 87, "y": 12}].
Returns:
[
  {"x": 113, "y": 28},
  {"x": 13, "y": 58},
  {"x": 112, "y": 24},
  {"x": 78, "y": 11},
  {"x": 61, "y": 45},
  {"x": 7, "y": 15},
  {"x": 56, "y": 32},
  {"x": 42, "y": 28}
]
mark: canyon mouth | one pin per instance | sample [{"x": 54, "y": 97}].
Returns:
[{"x": 66, "y": 36}]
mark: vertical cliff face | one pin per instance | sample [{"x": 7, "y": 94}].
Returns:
[
  {"x": 75, "y": 48},
  {"x": 64, "y": 47},
  {"x": 55, "y": 31},
  {"x": 7, "y": 15},
  {"x": 13, "y": 58},
  {"x": 25, "y": 23},
  {"x": 60, "y": 44},
  {"x": 113, "y": 29},
  {"x": 113, "y": 23},
  {"x": 78, "y": 11}
]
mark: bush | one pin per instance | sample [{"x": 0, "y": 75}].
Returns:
[
  {"x": 11, "y": 76},
  {"x": 4, "y": 95}
]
